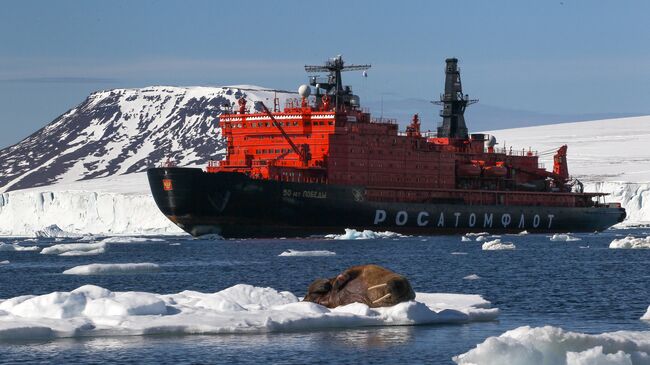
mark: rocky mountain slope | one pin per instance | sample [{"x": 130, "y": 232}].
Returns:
[{"x": 122, "y": 131}]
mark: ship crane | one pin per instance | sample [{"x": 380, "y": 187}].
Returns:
[
  {"x": 334, "y": 84},
  {"x": 303, "y": 153}
]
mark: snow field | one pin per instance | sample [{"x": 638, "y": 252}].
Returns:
[
  {"x": 555, "y": 346},
  {"x": 94, "y": 311}
]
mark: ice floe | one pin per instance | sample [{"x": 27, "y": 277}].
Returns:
[
  {"x": 4, "y": 262},
  {"x": 465, "y": 239},
  {"x": 630, "y": 242},
  {"x": 130, "y": 239},
  {"x": 93, "y": 248},
  {"x": 564, "y": 237},
  {"x": 94, "y": 311},
  {"x": 472, "y": 277},
  {"x": 481, "y": 238},
  {"x": 307, "y": 253},
  {"x": 472, "y": 234},
  {"x": 53, "y": 231},
  {"x": 17, "y": 247},
  {"x": 112, "y": 269},
  {"x": 353, "y": 234},
  {"x": 498, "y": 245},
  {"x": 75, "y": 249},
  {"x": 555, "y": 346}
]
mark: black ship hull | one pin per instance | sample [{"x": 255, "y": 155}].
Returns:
[{"x": 233, "y": 205}]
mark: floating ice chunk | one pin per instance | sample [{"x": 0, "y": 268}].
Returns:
[
  {"x": 54, "y": 231},
  {"x": 472, "y": 277},
  {"x": 595, "y": 356},
  {"x": 630, "y": 242},
  {"x": 522, "y": 233},
  {"x": 75, "y": 249},
  {"x": 498, "y": 245},
  {"x": 552, "y": 345},
  {"x": 307, "y": 253},
  {"x": 564, "y": 237},
  {"x": 4, "y": 262},
  {"x": 481, "y": 238},
  {"x": 353, "y": 234},
  {"x": 472, "y": 234},
  {"x": 646, "y": 316},
  {"x": 94, "y": 311},
  {"x": 17, "y": 247},
  {"x": 465, "y": 239},
  {"x": 175, "y": 244},
  {"x": 129, "y": 239},
  {"x": 110, "y": 269}
]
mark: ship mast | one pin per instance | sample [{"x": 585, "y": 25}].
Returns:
[
  {"x": 334, "y": 85},
  {"x": 453, "y": 104}
]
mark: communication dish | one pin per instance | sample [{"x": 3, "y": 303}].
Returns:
[{"x": 304, "y": 91}]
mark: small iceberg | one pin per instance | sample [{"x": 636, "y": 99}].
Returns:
[
  {"x": 353, "y": 234},
  {"x": 130, "y": 239},
  {"x": 646, "y": 316},
  {"x": 630, "y": 242},
  {"x": 54, "y": 231},
  {"x": 471, "y": 277},
  {"x": 564, "y": 237},
  {"x": 307, "y": 253},
  {"x": 112, "y": 269},
  {"x": 75, "y": 249},
  {"x": 498, "y": 245},
  {"x": 553, "y": 345}
]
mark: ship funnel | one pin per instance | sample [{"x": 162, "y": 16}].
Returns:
[{"x": 453, "y": 103}]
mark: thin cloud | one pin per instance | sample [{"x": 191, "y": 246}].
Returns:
[{"x": 61, "y": 80}]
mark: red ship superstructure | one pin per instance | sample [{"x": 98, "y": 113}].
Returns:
[
  {"x": 324, "y": 154},
  {"x": 319, "y": 139}
]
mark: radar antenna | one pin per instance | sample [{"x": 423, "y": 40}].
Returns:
[{"x": 334, "y": 84}]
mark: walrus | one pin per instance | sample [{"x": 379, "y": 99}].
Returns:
[{"x": 372, "y": 285}]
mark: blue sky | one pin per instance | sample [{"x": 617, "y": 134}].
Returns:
[{"x": 558, "y": 57}]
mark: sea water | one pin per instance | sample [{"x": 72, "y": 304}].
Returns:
[{"x": 579, "y": 285}]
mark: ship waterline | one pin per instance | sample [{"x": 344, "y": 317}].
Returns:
[{"x": 234, "y": 205}]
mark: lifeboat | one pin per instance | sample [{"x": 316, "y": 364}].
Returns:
[
  {"x": 495, "y": 171},
  {"x": 469, "y": 170}
]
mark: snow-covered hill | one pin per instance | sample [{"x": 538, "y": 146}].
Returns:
[
  {"x": 601, "y": 150},
  {"x": 122, "y": 131},
  {"x": 609, "y": 156}
]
